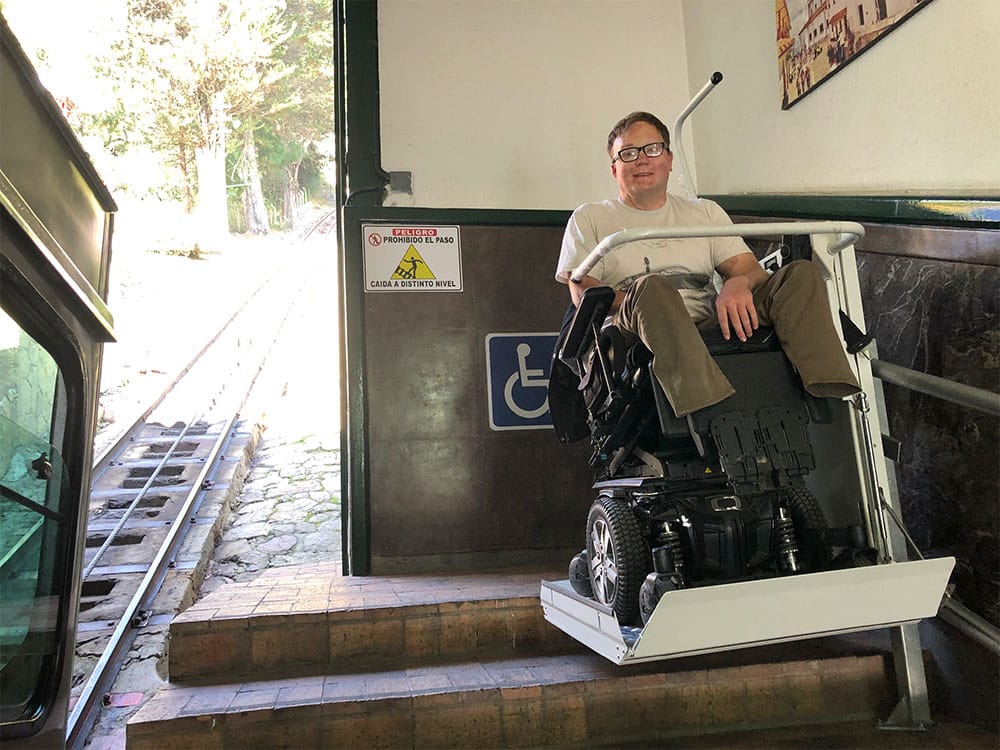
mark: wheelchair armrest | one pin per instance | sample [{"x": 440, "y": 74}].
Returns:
[
  {"x": 590, "y": 315},
  {"x": 764, "y": 339}
]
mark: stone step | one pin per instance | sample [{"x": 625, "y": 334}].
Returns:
[
  {"x": 310, "y": 620},
  {"x": 549, "y": 701}
]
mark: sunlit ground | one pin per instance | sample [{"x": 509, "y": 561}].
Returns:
[{"x": 167, "y": 302}]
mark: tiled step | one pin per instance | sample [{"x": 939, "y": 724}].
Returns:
[
  {"x": 313, "y": 621},
  {"x": 554, "y": 701}
]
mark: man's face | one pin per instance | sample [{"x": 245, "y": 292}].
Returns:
[{"x": 641, "y": 183}]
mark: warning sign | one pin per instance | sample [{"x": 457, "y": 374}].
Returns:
[
  {"x": 412, "y": 258},
  {"x": 412, "y": 266}
]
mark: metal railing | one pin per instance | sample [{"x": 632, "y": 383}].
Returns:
[
  {"x": 844, "y": 234},
  {"x": 931, "y": 385},
  {"x": 951, "y": 611}
]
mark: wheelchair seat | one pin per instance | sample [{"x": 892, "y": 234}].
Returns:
[{"x": 755, "y": 437}]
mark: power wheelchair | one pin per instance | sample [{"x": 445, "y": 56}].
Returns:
[{"x": 717, "y": 497}]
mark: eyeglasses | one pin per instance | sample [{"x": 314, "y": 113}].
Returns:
[{"x": 650, "y": 149}]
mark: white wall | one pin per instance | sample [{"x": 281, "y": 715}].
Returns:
[
  {"x": 918, "y": 112},
  {"x": 508, "y": 103}
]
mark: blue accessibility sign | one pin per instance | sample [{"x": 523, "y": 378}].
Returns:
[{"x": 517, "y": 375}]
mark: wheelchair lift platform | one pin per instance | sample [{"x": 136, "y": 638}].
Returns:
[{"x": 730, "y": 616}]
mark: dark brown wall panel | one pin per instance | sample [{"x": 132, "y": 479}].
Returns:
[{"x": 443, "y": 486}]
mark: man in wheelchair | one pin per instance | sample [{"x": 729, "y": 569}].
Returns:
[{"x": 700, "y": 449}]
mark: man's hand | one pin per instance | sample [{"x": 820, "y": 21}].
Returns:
[
  {"x": 577, "y": 288},
  {"x": 736, "y": 309},
  {"x": 734, "y": 305}
]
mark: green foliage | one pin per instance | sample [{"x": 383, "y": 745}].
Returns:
[
  {"x": 298, "y": 113},
  {"x": 113, "y": 125},
  {"x": 179, "y": 77},
  {"x": 311, "y": 176}
]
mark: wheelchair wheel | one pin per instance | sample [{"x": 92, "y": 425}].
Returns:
[
  {"x": 805, "y": 509},
  {"x": 810, "y": 527},
  {"x": 619, "y": 557}
]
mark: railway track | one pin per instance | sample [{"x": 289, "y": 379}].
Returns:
[{"x": 149, "y": 485}]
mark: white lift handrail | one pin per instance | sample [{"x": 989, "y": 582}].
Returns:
[
  {"x": 848, "y": 233},
  {"x": 687, "y": 179}
]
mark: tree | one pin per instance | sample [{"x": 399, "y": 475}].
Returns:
[
  {"x": 189, "y": 81},
  {"x": 297, "y": 112},
  {"x": 248, "y": 170},
  {"x": 199, "y": 64}
]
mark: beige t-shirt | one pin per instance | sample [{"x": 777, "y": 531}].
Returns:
[{"x": 690, "y": 262}]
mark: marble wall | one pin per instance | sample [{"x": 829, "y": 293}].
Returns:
[{"x": 933, "y": 300}]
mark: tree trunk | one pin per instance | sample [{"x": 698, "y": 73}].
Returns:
[
  {"x": 186, "y": 177},
  {"x": 254, "y": 208},
  {"x": 290, "y": 194},
  {"x": 210, "y": 160}
]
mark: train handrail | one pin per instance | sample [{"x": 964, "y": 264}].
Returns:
[{"x": 849, "y": 232}]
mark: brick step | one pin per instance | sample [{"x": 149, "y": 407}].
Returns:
[
  {"x": 301, "y": 621},
  {"x": 546, "y": 701}
]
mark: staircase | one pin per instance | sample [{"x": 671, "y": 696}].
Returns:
[{"x": 303, "y": 657}]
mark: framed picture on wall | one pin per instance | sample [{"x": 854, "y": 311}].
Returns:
[{"x": 816, "y": 38}]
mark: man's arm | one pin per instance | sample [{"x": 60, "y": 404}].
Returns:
[
  {"x": 734, "y": 305},
  {"x": 576, "y": 291},
  {"x": 579, "y": 239}
]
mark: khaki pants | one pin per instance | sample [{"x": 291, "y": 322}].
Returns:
[{"x": 793, "y": 301}]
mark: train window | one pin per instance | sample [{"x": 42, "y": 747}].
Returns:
[{"x": 33, "y": 530}]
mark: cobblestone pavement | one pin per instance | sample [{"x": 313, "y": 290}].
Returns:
[{"x": 288, "y": 512}]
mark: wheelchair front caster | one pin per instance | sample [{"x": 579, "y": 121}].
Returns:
[
  {"x": 579, "y": 574},
  {"x": 652, "y": 589}
]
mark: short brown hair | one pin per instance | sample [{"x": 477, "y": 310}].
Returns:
[{"x": 629, "y": 120}]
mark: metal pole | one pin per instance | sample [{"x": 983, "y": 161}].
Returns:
[
  {"x": 913, "y": 712},
  {"x": 878, "y": 496},
  {"x": 932, "y": 385},
  {"x": 689, "y": 187},
  {"x": 969, "y": 623}
]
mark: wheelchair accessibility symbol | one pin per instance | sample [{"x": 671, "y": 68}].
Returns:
[{"x": 517, "y": 373}]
